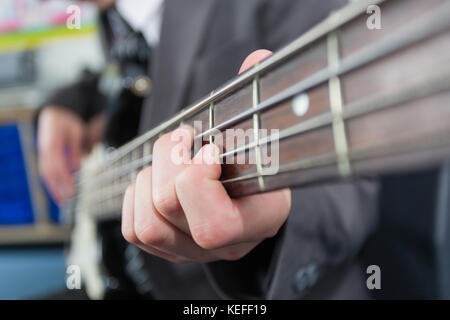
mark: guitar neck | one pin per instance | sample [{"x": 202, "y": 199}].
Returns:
[{"x": 341, "y": 101}]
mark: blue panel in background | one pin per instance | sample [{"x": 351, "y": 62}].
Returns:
[
  {"x": 30, "y": 273},
  {"x": 15, "y": 200}
]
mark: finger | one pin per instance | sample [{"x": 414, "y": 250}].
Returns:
[
  {"x": 154, "y": 231},
  {"x": 263, "y": 214},
  {"x": 216, "y": 220},
  {"x": 254, "y": 58},
  {"x": 171, "y": 154},
  {"x": 202, "y": 211},
  {"x": 128, "y": 230},
  {"x": 127, "y": 225}
]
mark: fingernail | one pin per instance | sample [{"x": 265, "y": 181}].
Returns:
[{"x": 185, "y": 129}]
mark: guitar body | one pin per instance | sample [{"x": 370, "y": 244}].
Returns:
[
  {"x": 85, "y": 242},
  {"x": 110, "y": 267}
]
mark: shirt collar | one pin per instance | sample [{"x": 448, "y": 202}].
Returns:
[{"x": 143, "y": 16}]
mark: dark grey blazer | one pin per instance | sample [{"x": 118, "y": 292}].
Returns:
[{"x": 203, "y": 43}]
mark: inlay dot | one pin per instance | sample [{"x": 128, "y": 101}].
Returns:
[{"x": 300, "y": 104}]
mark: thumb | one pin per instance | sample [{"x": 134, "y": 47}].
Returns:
[{"x": 254, "y": 58}]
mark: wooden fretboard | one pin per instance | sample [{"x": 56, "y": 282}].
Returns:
[{"x": 347, "y": 101}]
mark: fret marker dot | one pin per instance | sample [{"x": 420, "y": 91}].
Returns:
[{"x": 300, "y": 105}]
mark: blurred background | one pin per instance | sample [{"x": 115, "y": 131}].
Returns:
[{"x": 38, "y": 53}]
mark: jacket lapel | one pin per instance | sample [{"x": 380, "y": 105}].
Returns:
[{"x": 182, "y": 31}]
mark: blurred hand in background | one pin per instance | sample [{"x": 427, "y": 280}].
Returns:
[{"x": 63, "y": 137}]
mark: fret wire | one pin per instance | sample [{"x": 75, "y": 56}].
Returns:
[
  {"x": 333, "y": 21},
  {"x": 335, "y": 92},
  {"x": 406, "y": 36},
  {"x": 358, "y": 108},
  {"x": 147, "y": 148},
  {"x": 309, "y": 163},
  {"x": 125, "y": 169},
  {"x": 116, "y": 191},
  {"x": 256, "y": 127},
  {"x": 376, "y": 102},
  {"x": 364, "y": 106},
  {"x": 409, "y": 34},
  {"x": 211, "y": 118},
  {"x": 108, "y": 188},
  {"x": 119, "y": 171}
]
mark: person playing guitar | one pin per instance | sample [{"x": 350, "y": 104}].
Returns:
[{"x": 202, "y": 240}]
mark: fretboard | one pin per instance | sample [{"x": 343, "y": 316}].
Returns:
[{"x": 347, "y": 101}]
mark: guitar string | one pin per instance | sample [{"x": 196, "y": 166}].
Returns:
[
  {"x": 361, "y": 107},
  {"x": 372, "y": 104},
  {"x": 371, "y": 53},
  {"x": 347, "y": 66},
  {"x": 432, "y": 142},
  {"x": 332, "y": 22},
  {"x": 355, "y": 110},
  {"x": 360, "y": 154},
  {"x": 406, "y": 36}
]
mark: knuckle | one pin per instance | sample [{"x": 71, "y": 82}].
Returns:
[
  {"x": 212, "y": 236},
  {"x": 129, "y": 235},
  {"x": 150, "y": 236},
  {"x": 202, "y": 236},
  {"x": 164, "y": 202}
]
